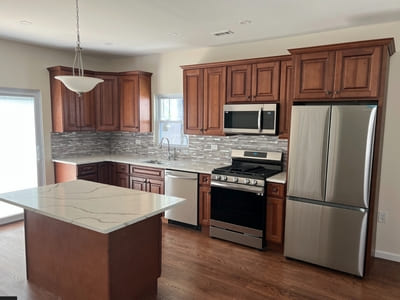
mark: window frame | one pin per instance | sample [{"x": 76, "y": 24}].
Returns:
[{"x": 157, "y": 119}]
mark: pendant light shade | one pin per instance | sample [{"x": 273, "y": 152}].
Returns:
[{"x": 78, "y": 83}]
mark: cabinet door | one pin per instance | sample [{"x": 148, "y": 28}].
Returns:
[
  {"x": 285, "y": 98},
  {"x": 358, "y": 73},
  {"x": 70, "y": 109},
  {"x": 204, "y": 205},
  {"x": 239, "y": 83},
  {"x": 107, "y": 104},
  {"x": 122, "y": 180},
  {"x": 265, "y": 82},
  {"x": 155, "y": 186},
  {"x": 314, "y": 75},
  {"x": 214, "y": 99},
  {"x": 138, "y": 183},
  {"x": 274, "y": 222},
  {"x": 129, "y": 104},
  {"x": 104, "y": 173},
  {"x": 193, "y": 90},
  {"x": 87, "y": 116}
]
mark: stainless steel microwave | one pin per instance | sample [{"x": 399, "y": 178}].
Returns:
[{"x": 250, "y": 119}]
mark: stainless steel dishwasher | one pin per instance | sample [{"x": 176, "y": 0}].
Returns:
[{"x": 183, "y": 185}]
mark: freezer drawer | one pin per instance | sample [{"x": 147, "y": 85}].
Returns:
[{"x": 328, "y": 236}]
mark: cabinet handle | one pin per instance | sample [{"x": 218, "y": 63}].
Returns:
[
  {"x": 335, "y": 93},
  {"x": 275, "y": 190},
  {"x": 328, "y": 93}
]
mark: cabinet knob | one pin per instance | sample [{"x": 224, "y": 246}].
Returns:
[
  {"x": 275, "y": 189},
  {"x": 335, "y": 93},
  {"x": 328, "y": 93}
]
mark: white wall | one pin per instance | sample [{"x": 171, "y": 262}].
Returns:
[
  {"x": 167, "y": 79},
  {"x": 25, "y": 67}
]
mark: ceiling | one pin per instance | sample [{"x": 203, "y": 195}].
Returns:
[{"x": 134, "y": 27}]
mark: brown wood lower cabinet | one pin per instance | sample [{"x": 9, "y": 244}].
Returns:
[
  {"x": 275, "y": 215},
  {"x": 122, "y": 175},
  {"x": 147, "y": 179},
  {"x": 204, "y": 199}
]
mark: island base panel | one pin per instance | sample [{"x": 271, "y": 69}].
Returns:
[{"x": 78, "y": 263}]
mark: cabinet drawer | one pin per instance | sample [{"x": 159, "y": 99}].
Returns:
[
  {"x": 205, "y": 179},
  {"x": 122, "y": 168},
  {"x": 276, "y": 190},
  {"x": 87, "y": 169},
  {"x": 146, "y": 172}
]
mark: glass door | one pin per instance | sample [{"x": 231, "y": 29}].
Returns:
[{"x": 21, "y": 166}]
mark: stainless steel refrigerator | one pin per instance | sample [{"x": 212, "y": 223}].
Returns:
[{"x": 329, "y": 176}]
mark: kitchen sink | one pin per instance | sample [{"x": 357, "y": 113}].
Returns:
[{"x": 153, "y": 161}]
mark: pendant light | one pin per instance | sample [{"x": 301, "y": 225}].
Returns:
[{"x": 78, "y": 82}]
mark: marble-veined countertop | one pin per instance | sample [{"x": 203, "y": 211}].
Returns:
[
  {"x": 95, "y": 206},
  {"x": 180, "y": 165},
  {"x": 278, "y": 178}
]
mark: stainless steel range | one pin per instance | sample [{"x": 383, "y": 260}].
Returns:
[{"x": 238, "y": 198}]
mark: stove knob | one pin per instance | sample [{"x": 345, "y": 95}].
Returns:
[
  {"x": 235, "y": 179},
  {"x": 247, "y": 181},
  {"x": 224, "y": 178},
  {"x": 253, "y": 182},
  {"x": 217, "y": 177}
]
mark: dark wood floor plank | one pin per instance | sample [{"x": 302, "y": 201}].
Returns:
[{"x": 195, "y": 266}]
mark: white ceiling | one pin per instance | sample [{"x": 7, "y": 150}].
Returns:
[{"x": 132, "y": 27}]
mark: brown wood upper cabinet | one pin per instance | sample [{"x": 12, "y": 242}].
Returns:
[
  {"x": 135, "y": 97},
  {"x": 340, "y": 71},
  {"x": 107, "y": 104},
  {"x": 285, "y": 98},
  {"x": 258, "y": 82},
  {"x": 204, "y": 97},
  {"x": 70, "y": 112}
]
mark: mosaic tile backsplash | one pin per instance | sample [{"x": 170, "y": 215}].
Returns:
[{"x": 201, "y": 148}]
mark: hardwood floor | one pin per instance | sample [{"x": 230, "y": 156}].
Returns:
[{"x": 195, "y": 266}]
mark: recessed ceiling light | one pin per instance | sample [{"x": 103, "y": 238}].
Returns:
[
  {"x": 245, "y": 22},
  {"x": 174, "y": 34},
  {"x": 25, "y": 22}
]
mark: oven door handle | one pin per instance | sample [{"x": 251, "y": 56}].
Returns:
[{"x": 239, "y": 187}]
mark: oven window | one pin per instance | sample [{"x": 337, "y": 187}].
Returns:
[
  {"x": 238, "y": 207},
  {"x": 241, "y": 119}
]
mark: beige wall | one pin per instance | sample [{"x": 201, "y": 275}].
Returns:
[
  {"x": 167, "y": 79},
  {"x": 24, "y": 66}
]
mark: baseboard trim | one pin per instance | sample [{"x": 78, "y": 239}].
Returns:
[
  {"x": 387, "y": 255},
  {"x": 11, "y": 219}
]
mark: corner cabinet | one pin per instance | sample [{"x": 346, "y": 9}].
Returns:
[
  {"x": 340, "y": 71},
  {"x": 70, "y": 112},
  {"x": 135, "y": 101},
  {"x": 121, "y": 102},
  {"x": 204, "y": 98},
  {"x": 107, "y": 103}
]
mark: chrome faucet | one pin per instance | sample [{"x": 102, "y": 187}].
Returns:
[{"x": 169, "y": 150}]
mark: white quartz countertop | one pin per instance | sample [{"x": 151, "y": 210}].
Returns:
[
  {"x": 181, "y": 165},
  {"x": 95, "y": 206},
  {"x": 278, "y": 178}
]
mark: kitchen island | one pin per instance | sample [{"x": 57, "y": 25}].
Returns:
[{"x": 85, "y": 240}]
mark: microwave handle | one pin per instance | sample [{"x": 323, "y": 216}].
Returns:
[{"x": 259, "y": 119}]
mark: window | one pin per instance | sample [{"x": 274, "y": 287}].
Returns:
[
  {"x": 169, "y": 119},
  {"x": 21, "y": 151}
]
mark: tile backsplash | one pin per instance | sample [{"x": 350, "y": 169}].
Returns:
[{"x": 201, "y": 148}]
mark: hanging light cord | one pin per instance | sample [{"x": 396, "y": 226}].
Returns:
[{"x": 78, "y": 63}]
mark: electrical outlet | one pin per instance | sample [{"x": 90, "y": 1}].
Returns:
[
  {"x": 138, "y": 142},
  {"x": 214, "y": 147},
  {"x": 381, "y": 217}
]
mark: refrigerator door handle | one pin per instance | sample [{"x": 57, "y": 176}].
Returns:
[{"x": 368, "y": 156}]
